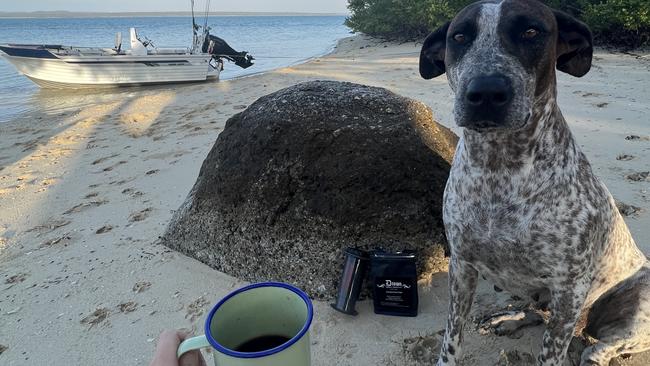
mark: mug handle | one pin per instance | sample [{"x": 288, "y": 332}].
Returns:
[{"x": 193, "y": 344}]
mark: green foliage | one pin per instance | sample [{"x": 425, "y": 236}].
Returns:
[
  {"x": 573, "y": 7},
  {"x": 624, "y": 23},
  {"x": 401, "y": 19},
  {"x": 632, "y": 15}
]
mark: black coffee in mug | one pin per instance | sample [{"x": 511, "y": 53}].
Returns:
[
  {"x": 262, "y": 343},
  {"x": 394, "y": 281}
]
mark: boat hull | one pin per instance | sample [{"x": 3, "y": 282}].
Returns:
[
  {"x": 75, "y": 72},
  {"x": 47, "y": 84}
]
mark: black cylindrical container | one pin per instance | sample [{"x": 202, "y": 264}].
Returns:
[
  {"x": 354, "y": 271},
  {"x": 394, "y": 281}
]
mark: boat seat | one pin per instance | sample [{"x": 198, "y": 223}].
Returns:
[
  {"x": 110, "y": 51},
  {"x": 137, "y": 47}
]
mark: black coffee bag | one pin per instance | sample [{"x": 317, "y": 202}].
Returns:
[{"x": 394, "y": 281}]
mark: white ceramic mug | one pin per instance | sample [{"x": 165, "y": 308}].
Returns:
[{"x": 261, "y": 311}]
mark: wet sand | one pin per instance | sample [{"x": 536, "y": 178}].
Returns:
[{"x": 85, "y": 193}]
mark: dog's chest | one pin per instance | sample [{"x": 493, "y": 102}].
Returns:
[{"x": 506, "y": 226}]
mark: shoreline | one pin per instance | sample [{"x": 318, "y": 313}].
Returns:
[
  {"x": 29, "y": 98},
  {"x": 85, "y": 194},
  {"x": 330, "y": 51},
  {"x": 118, "y": 90}
]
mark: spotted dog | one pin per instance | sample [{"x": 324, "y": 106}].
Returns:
[{"x": 522, "y": 206}]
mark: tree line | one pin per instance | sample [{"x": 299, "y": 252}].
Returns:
[{"x": 620, "y": 23}]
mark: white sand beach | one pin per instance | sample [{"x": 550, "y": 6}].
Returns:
[{"x": 85, "y": 194}]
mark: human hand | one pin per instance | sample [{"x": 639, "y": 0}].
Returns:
[{"x": 168, "y": 343}]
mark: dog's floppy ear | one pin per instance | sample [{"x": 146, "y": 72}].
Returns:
[
  {"x": 432, "y": 56},
  {"x": 575, "y": 47}
]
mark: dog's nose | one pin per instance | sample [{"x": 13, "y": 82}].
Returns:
[{"x": 489, "y": 91}]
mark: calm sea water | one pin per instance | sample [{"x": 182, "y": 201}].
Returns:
[{"x": 273, "y": 41}]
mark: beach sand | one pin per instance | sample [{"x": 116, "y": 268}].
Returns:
[{"x": 84, "y": 195}]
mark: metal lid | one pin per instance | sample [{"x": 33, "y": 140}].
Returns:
[
  {"x": 357, "y": 253},
  {"x": 403, "y": 255}
]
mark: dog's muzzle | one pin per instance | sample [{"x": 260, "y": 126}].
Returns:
[{"x": 486, "y": 102}]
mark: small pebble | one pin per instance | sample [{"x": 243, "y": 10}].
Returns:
[{"x": 638, "y": 177}]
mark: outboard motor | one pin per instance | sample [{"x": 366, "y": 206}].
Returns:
[{"x": 220, "y": 48}]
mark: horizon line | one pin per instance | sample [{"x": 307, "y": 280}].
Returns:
[{"x": 67, "y": 13}]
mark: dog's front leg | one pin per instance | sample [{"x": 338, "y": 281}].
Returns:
[
  {"x": 566, "y": 308},
  {"x": 462, "y": 285}
]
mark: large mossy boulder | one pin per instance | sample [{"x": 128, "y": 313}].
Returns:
[{"x": 307, "y": 171}]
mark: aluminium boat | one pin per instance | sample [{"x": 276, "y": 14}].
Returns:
[{"x": 58, "y": 66}]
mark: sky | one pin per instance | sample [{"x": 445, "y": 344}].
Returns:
[{"x": 309, "y": 6}]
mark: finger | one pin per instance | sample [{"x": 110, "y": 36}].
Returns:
[
  {"x": 193, "y": 358},
  {"x": 184, "y": 334},
  {"x": 167, "y": 347},
  {"x": 169, "y": 338}
]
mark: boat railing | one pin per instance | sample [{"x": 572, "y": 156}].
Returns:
[
  {"x": 86, "y": 51},
  {"x": 169, "y": 51}
]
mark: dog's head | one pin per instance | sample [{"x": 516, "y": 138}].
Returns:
[{"x": 500, "y": 58}]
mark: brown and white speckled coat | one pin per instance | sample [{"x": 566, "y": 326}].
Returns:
[{"x": 522, "y": 206}]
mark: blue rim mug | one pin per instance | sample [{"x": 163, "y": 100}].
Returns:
[{"x": 258, "y": 311}]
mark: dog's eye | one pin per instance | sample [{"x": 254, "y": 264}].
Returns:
[
  {"x": 530, "y": 33},
  {"x": 460, "y": 38}
]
